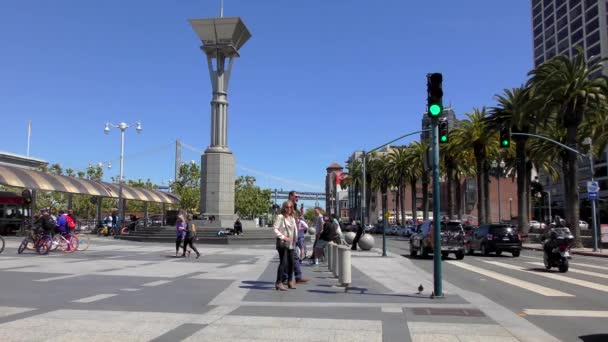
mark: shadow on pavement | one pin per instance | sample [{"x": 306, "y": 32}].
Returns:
[
  {"x": 257, "y": 285},
  {"x": 364, "y": 292},
  {"x": 594, "y": 338}
]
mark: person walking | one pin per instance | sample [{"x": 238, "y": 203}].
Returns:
[
  {"x": 317, "y": 253},
  {"x": 285, "y": 232},
  {"x": 180, "y": 226},
  {"x": 293, "y": 197},
  {"x": 190, "y": 236},
  {"x": 301, "y": 243}
]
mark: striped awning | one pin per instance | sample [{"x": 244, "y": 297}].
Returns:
[{"x": 25, "y": 178}]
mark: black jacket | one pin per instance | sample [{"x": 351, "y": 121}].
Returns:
[{"x": 330, "y": 231}]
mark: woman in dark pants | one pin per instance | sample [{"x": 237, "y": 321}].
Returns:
[
  {"x": 190, "y": 236},
  {"x": 285, "y": 231},
  {"x": 180, "y": 226}
]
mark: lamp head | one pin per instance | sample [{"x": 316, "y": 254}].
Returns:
[
  {"x": 587, "y": 141},
  {"x": 494, "y": 164},
  {"x": 502, "y": 164},
  {"x": 106, "y": 129},
  {"x": 138, "y": 127}
]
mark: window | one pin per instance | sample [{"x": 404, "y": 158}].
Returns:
[
  {"x": 591, "y": 13},
  {"x": 539, "y": 51},
  {"x": 538, "y": 41},
  {"x": 576, "y": 24},
  {"x": 537, "y": 20},
  {"x": 593, "y": 38},
  {"x": 576, "y": 36},
  {"x": 562, "y": 11},
  {"x": 551, "y": 53},
  {"x": 592, "y": 25},
  {"x": 536, "y": 11},
  {"x": 575, "y": 12},
  {"x": 574, "y": 3},
  {"x": 561, "y": 23},
  {"x": 562, "y": 34},
  {"x": 589, "y": 3},
  {"x": 547, "y": 3},
  {"x": 549, "y": 21},
  {"x": 538, "y": 31},
  {"x": 559, "y": 3},
  {"x": 550, "y": 42},
  {"x": 562, "y": 47},
  {"x": 539, "y": 61},
  {"x": 548, "y": 10},
  {"x": 593, "y": 51},
  {"x": 535, "y": 2}
]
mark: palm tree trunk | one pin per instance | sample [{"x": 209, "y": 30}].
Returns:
[
  {"x": 449, "y": 185},
  {"x": 402, "y": 203},
  {"x": 522, "y": 185},
  {"x": 458, "y": 198},
  {"x": 481, "y": 208},
  {"x": 425, "y": 199},
  {"x": 413, "y": 182},
  {"x": 573, "y": 214},
  {"x": 529, "y": 188},
  {"x": 486, "y": 180}
]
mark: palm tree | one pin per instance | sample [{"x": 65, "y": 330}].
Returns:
[
  {"x": 353, "y": 181},
  {"x": 416, "y": 153},
  {"x": 568, "y": 90},
  {"x": 380, "y": 177},
  {"x": 400, "y": 170},
  {"x": 474, "y": 134},
  {"x": 516, "y": 109}
]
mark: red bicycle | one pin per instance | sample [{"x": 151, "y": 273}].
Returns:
[{"x": 42, "y": 242}]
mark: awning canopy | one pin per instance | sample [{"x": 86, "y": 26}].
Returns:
[{"x": 24, "y": 178}]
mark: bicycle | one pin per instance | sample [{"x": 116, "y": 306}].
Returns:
[
  {"x": 41, "y": 242},
  {"x": 68, "y": 243},
  {"x": 1, "y": 244},
  {"x": 105, "y": 230},
  {"x": 83, "y": 241}
]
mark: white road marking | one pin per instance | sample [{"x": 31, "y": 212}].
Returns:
[
  {"x": 129, "y": 290},
  {"x": 116, "y": 257},
  {"x": 566, "y": 313},
  {"x": 67, "y": 276},
  {"x": 590, "y": 266},
  {"x": 392, "y": 309},
  {"x": 157, "y": 283},
  {"x": 94, "y": 298},
  {"x": 573, "y": 281},
  {"x": 594, "y": 274},
  {"x": 542, "y": 290}
]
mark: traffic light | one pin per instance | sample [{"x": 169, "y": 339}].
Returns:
[
  {"x": 505, "y": 137},
  {"x": 443, "y": 131},
  {"x": 435, "y": 95}
]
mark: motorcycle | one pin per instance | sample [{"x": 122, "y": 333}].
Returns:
[{"x": 557, "y": 249}]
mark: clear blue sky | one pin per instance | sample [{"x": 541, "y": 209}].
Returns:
[{"x": 318, "y": 79}]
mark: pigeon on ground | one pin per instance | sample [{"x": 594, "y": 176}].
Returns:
[{"x": 420, "y": 288}]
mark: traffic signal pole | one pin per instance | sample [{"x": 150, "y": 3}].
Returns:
[{"x": 437, "y": 288}]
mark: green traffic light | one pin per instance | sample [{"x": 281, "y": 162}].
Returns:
[
  {"x": 505, "y": 143},
  {"x": 444, "y": 138},
  {"x": 435, "y": 109}
]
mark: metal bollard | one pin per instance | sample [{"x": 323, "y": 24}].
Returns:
[
  {"x": 334, "y": 260},
  {"x": 344, "y": 257},
  {"x": 329, "y": 255}
]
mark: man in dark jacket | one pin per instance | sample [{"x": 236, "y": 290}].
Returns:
[
  {"x": 330, "y": 230},
  {"x": 238, "y": 227},
  {"x": 358, "y": 236}
]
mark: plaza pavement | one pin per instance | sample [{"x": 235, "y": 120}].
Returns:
[{"x": 129, "y": 291}]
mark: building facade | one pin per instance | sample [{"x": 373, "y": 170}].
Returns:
[{"x": 560, "y": 26}]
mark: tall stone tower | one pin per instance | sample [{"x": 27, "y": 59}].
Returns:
[{"x": 222, "y": 38}]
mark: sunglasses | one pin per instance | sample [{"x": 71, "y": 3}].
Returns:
[{"x": 289, "y": 207}]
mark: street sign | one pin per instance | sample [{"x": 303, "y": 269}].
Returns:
[{"x": 592, "y": 189}]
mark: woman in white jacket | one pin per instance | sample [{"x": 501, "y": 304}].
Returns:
[{"x": 286, "y": 232}]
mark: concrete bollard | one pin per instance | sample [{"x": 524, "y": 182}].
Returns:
[
  {"x": 345, "y": 266},
  {"x": 334, "y": 260},
  {"x": 329, "y": 256}
]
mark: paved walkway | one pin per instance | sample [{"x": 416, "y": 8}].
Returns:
[
  {"x": 602, "y": 253},
  {"x": 126, "y": 291}
]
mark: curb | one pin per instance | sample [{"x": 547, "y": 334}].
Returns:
[{"x": 592, "y": 254}]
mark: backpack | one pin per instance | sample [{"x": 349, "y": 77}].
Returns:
[{"x": 70, "y": 222}]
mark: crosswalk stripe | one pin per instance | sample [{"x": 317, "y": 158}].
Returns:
[
  {"x": 573, "y": 281},
  {"x": 566, "y": 313},
  {"x": 542, "y": 290},
  {"x": 590, "y": 266},
  {"x": 594, "y": 274}
]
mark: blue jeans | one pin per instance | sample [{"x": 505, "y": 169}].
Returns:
[
  {"x": 297, "y": 270},
  {"x": 301, "y": 244}
]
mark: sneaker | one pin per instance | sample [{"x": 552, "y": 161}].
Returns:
[{"x": 302, "y": 281}]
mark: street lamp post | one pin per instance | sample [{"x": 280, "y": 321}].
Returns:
[
  {"x": 394, "y": 190},
  {"x": 588, "y": 141},
  {"x": 498, "y": 167},
  {"x": 122, "y": 126},
  {"x": 510, "y": 208}
]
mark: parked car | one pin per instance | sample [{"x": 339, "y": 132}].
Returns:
[
  {"x": 452, "y": 239},
  {"x": 535, "y": 224},
  {"x": 583, "y": 225},
  {"x": 494, "y": 238}
]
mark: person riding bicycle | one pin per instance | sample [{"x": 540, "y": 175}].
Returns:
[
  {"x": 62, "y": 223},
  {"x": 45, "y": 223}
]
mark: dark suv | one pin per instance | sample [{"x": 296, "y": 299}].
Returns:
[
  {"x": 494, "y": 238},
  {"x": 452, "y": 239}
]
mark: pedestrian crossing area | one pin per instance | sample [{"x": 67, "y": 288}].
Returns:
[{"x": 525, "y": 274}]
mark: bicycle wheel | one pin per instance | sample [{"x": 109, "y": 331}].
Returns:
[
  {"x": 83, "y": 241},
  {"x": 23, "y": 245},
  {"x": 56, "y": 242},
  {"x": 44, "y": 245},
  {"x": 69, "y": 244},
  {"x": 1, "y": 244}
]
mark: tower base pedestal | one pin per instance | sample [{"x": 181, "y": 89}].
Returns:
[{"x": 217, "y": 185}]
